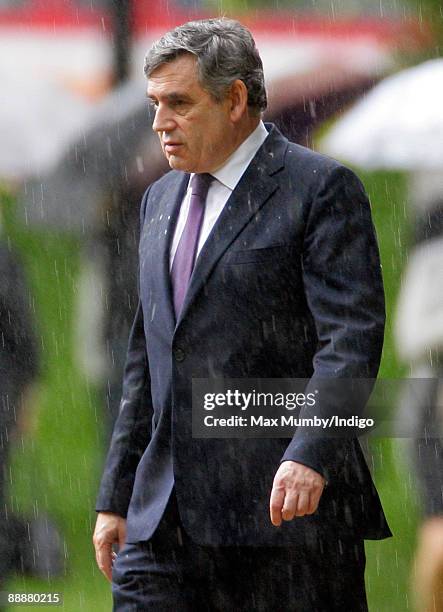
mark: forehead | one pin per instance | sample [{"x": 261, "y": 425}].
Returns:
[{"x": 175, "y": 76}]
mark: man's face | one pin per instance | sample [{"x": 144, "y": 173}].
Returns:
[{"x": 195, "y": 131}]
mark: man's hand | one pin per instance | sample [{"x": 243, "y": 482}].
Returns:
[
  {"x": 109, "y": 529},
  {"x": 296, "y": 491}
]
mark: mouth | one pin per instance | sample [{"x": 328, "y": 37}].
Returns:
[{"x": 172, "y": 147}]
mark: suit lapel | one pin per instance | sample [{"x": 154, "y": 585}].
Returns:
[
  {"x": 255, "y": 187},
  {"x": 163, "y": 223}
]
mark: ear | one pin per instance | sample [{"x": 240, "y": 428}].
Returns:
[{"x": 238, "y": 97}]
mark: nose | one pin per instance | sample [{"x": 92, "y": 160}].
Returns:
[{"x": 163, "y": 119}]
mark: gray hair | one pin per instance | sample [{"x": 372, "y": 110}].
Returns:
[{"x": 225, "y": 51}]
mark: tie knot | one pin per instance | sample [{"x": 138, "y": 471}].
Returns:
[{"x": 200, "y": 184}]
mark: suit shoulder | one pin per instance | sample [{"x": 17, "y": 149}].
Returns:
[
  {"x": 305, "y": 158},
  {"x": 315, "y": 169}
]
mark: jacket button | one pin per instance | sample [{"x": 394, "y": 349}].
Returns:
[{"x": 179, "y": 354}]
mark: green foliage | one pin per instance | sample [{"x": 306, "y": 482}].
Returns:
[
  {"x": 56, "y": 470},
  {"x": 389, "y": 561}
]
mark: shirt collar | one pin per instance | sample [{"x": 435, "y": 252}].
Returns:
[{"x": 232, "y": 170}]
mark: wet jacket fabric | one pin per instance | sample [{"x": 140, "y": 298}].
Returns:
[{"x": 288, "y": 284}]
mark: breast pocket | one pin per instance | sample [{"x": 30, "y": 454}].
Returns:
[
  {"x": 261, "y": 282},
  {"x": 261, "y": 255}
]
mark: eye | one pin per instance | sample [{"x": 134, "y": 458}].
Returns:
[{"x": 179, "y": 104}]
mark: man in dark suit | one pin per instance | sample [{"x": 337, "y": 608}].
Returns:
[{"x": 257, "y": 260}]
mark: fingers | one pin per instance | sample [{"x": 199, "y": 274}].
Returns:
[
  {"x": 315, "y": 498},
  {"x": 298, "y": 505},
  {"x": 290, "y": 506},
  {"x": 104, "y": 557},
  {"x": 122, "y": 534},
  {"x": 276, "y": 505},
  {"x": 287, "y": 506},
  {"x": 109, "y": 529},
  {"x": 296, "y": 492},
  {"x": 304, "y": 504}
]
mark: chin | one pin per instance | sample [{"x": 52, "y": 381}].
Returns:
[{"x": 177, "y": 163}]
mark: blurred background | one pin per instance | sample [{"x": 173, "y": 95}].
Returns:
[{"x": 361, "y": 80}]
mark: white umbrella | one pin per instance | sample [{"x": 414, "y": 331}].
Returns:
[
  {"x": 398, "y": 124},
  {"x": 419, "y": 323}
]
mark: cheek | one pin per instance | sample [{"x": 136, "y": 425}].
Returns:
[
  {"x": 218, "y": 128},
  {"x": 195, "y": 142}
]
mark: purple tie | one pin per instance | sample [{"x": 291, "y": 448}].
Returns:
[{"x": 184, "y": 258}]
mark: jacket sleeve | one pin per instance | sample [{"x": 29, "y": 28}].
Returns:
[
  {"x": 344, "y": 291},
  {"x": 132, "y": 430}
]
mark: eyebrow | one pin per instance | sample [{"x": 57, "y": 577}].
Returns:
[{"x": 171, "y": 97}]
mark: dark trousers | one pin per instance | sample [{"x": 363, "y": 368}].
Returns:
[{"x": 170, "y": 572}]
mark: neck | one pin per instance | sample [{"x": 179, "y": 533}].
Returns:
[
  {"x": 244, "y": 130},
  {"x": 239, "y": 135}
]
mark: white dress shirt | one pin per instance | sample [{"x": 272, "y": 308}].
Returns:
[{"x": 224, "y": 183}]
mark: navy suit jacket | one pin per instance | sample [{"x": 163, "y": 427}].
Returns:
[{"x": 288, "y": 284}]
